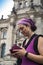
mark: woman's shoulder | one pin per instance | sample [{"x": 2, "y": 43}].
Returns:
[{"x": 40, "y": 45}]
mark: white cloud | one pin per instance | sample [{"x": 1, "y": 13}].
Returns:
[{"x": 6, "y": 10}]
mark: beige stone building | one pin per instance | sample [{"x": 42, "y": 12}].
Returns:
[
  {"x": 6, "y": 39},
  {"x": 8, "y": 30}
]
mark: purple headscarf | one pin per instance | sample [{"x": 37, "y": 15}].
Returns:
[{"x": 27, "y": 22}]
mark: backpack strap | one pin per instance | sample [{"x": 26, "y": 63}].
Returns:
[
  {"x": 24, "y": 42},
  {"x": 36, "y": 43}
]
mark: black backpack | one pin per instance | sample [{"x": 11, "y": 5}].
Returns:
[{"x": 36, "y": 43}]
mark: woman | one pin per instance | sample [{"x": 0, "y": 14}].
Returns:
[{"x": 27, "y": 53}]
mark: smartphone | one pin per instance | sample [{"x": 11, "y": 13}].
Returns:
[{"x": 14, "y": 47}]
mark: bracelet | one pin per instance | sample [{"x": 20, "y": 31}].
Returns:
[{"x": 26, "y": 54}]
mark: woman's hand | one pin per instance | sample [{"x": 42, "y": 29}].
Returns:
[{"x": 19, "y": 52}]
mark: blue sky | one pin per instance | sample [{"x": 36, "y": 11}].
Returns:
[
  {"x": 6, "y": 7},
  {"x": 2, "y": 2}
]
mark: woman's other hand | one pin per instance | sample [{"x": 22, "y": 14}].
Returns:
[{"x": 19, "y": 52}]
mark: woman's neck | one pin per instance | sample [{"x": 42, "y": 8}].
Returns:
[{"x": 30, "y": 35}]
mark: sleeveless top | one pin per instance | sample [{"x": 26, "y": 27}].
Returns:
[{"x": 29, "y": 48}]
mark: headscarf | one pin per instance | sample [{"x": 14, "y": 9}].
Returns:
[{"x": 26, "y": 21}]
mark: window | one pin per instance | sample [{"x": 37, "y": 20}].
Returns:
[
  {"x": 3, "y": 50},
  {"x": 20, "y": 5},
  {"x": 42, "y": 2},
  {"x": 3, "y": 33}
]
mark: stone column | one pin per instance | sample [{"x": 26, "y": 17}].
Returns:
[
  {"x": 42, "y": 25},
  {"x": 38, "y": 24},
  {"x": 9, "y": 38},
  {"x": 0, "y": 42},
  {"x": 10, "y": 34},
  {"x": 37, "y": 2}
]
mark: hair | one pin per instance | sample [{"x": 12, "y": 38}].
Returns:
[{"x": 33, "y": 28}]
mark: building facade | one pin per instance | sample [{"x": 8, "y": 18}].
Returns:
[{"x": 9, "y": 34}]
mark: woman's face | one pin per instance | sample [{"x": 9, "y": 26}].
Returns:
[{"x": 25, "y": 30}]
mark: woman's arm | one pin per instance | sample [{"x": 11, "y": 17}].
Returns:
[{"x": 36, "y": 58}]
